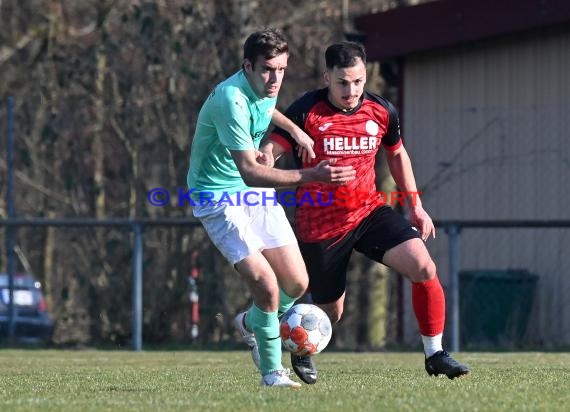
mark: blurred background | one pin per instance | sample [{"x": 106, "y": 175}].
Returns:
[{"x": 105, "y": 95}]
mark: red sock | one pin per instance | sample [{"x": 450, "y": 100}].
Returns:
[{"x": 429, "y": 306}]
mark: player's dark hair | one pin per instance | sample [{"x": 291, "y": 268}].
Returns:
[
  {"x": 344, "y": 54},
  {"x": 268, "y": 43}
]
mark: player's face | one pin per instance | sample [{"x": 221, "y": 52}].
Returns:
[
  {"x": 265, "y": 75},
  {"x": 346, "y": 85}
]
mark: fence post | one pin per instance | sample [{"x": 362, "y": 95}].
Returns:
[
  {"x": 11, "y": 212},
  {"x": 452, "y": 231},
  {"x": 137, "y": 288}
]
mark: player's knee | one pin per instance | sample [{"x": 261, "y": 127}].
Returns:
[
  {"x": 334, "y": 314},
  {"x": 426, "y": 271},
  {"x": 300, "y": 289},
  {"x": 266, "y": 298},
  {"x": 297, "y": 288}
]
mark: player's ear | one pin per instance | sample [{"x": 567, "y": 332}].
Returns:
[
  {"x": 247, "y": 65},
  {"x": 327, "y": 77}
]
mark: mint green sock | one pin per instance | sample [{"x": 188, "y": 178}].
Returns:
[
  {"x": 285, "y": 302},
  {"x": 265, "y": 326}
]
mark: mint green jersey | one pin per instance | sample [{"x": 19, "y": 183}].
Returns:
[{"x": 232, "y": 118}]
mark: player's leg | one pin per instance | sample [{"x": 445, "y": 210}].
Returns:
[
  {"x": 334, "y": 309},
  {"x": 293, "y": 280},
  {"x": 289, "y": 268},
  {"x": 262, "y": 317},
  {"x": 412, "y": 259},
  {"x": 269, "y": 223},
  {"x": 326, "y": 262},
  {"x": 229, "y": 229},
  {"x": 391, "y": 239},
  {"x": 281, "y": 250}
]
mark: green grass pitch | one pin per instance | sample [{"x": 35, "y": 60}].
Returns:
[{"x": 62, "y": 380}]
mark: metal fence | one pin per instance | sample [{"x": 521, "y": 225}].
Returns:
[
  {"x": 453, "y": 229},
  {"x": 136, "y": 226}
]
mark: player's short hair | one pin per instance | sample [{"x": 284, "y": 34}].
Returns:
[
  {"x": 268, "y": 43},
  {"x": 344, "y": 54}
]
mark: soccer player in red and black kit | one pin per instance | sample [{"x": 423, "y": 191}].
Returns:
[{"x": 349, "y": 124}]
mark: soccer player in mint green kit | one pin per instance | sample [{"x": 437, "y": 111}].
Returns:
[{"x": 253, "y": 232}]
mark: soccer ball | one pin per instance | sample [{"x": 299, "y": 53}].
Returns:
[{"x": 305, "y": 329}]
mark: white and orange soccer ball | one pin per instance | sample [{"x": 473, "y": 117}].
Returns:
[{"x": 305, "y": 329}]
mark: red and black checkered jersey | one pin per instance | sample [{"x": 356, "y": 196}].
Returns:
[{"x": 353, "y": 138}]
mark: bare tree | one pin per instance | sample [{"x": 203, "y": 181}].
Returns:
[{"x": 107, "y": 95}]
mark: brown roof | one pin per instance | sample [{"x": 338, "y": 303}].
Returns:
[{"x": 451, "y": 22}]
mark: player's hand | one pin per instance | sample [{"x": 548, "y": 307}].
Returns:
[
  {"x": 304, "y": 145},
  {"x": 304, "y": 154},
  {"x": 328, "y": 173},
  {"x": 421, "y": 220},
  {"x": 264, "y": 158}
]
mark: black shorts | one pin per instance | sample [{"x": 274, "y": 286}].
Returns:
[{"x": 327, "y": 261}]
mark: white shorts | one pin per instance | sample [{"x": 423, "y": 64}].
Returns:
[{"x": 239, "y": 229}]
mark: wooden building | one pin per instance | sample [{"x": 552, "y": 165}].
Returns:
[{"x": 485, "y": 112}]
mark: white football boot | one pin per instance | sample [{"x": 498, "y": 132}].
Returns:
[
  {"x": 248, "y": 337},
  {"x": 279, "y": 379}
]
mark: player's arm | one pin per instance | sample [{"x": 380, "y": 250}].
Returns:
[
  {"x": 305, "y": 143},
  {"x": 271, "y": 150},
  {"x": 233, "y": 123},
  {"x": 400, "y": 167},
  {"x": 257, "y": 175}
]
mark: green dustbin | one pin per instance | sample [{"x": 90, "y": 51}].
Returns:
[{"x": 494, "y": 307}]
